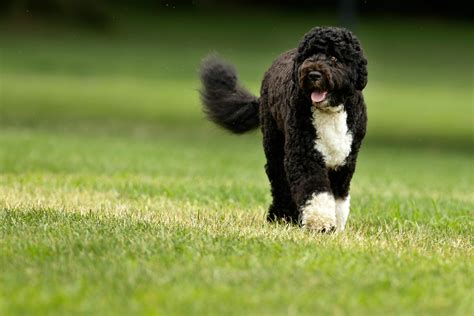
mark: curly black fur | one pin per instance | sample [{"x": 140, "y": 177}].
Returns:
[
  {"x": 329, "y": 60},
  {"x": 225, "y": 102},
  {"x": 337, "y": 42}
]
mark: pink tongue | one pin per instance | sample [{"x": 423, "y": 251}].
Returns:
[{"x": 318, "y": 96}]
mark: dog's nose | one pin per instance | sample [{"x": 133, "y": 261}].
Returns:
[{"x": 315, "y": 75}]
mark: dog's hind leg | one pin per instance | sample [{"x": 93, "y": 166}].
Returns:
[{"x": 283, "y": 207}]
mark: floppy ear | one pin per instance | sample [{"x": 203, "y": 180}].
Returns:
[
  {"x": 296, "y": 67},
  {"x": 306, "y": 47},
  {"x": 360, "y": 64}
]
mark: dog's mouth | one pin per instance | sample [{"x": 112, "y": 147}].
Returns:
[
  {"x": 320, "y": 100},
  {"x": 318, "y": 96}
]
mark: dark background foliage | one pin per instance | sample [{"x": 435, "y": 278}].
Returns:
[{"x": 99, "y": 13}]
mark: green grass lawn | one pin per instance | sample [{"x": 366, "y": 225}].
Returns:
[{"x": 116, "y": 197}]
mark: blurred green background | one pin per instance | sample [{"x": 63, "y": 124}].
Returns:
[{"x": 137, "y": 69}]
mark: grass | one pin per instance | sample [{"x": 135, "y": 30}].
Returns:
[
  {"x": 117, "y": 198},
  {"x": 91, "y": 223}
]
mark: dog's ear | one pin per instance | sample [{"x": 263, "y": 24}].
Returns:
[
  {"x": 306, "y": 47},
  {"x": 296, "y": 69},
  {"x": 297, "y": 61},
  {"x": 360, "y": 63}
]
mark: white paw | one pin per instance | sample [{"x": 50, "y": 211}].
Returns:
[
  {"x": 342, "y": 212},
  {"x": 319, "y": 212}
]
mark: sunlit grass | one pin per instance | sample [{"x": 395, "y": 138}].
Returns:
[{"x": 176, "y": 225}]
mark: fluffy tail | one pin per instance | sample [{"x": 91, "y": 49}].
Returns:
[{"x": 225, "y": 102}]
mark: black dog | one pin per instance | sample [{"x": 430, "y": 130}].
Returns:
[{"x": 313, "y": 119}]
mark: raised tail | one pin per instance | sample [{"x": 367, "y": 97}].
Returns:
[{"x": 225, "y": 102}]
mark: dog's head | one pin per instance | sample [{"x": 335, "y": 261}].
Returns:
[{"x": 329, "y": 67}]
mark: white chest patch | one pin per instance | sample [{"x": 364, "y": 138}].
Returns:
[{"x": 333, "y": 140}]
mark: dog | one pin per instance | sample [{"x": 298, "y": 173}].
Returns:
[{"x": 313, "y": 119}]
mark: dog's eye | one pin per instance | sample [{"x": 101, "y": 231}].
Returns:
[{"x": 333, "y": 59}]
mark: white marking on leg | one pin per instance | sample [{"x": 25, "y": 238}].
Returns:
[
  {"x": 342, "y": 212},
  {"x": 334, "y": 140},
  {"x": 319, "y": 212}
]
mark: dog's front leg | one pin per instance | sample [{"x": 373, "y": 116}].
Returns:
[
  {"x": 310, "y": 185},
  {"x": 340, "y": 182}
]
